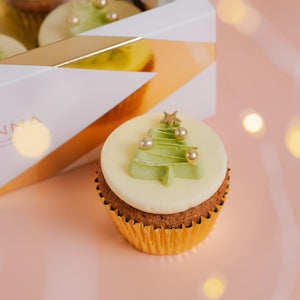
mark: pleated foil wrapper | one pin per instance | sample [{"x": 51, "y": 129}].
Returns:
[
  {"x": 23, "y": 25},
  {"x": 161, "y": 241}
]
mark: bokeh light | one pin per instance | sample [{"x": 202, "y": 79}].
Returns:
[
  {"x": 213, "y": 288},
  {"x": 253, "y": 122},
  {"x": 251, "y": 21},
  {"x": 244, "y": 17},
  {"x": 293, "y": 140},
  {"x": 230, "y": 11},
  {"x": 31, "y": 139}
]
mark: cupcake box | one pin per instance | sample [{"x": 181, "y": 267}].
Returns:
[{"x": 57, "y": 109}]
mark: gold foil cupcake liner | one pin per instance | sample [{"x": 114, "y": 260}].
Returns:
[
  {"x": 161, "y": 241},
  {"x": 23, "y": 25}
]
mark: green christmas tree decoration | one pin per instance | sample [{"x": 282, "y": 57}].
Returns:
[{"x": 167, "y": 152}]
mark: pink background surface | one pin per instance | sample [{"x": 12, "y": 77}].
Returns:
[{"x": 57, "y": 242}]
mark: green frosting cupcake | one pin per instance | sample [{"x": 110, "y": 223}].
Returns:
[
  {"x": 86, "y": 16},
  {"x": 166, "y": 152},
  {"x": 75, "y": 17}
]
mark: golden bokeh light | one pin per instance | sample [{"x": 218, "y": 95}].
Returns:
[
  {"x": 245, "y": 18},
  {"x": 253, "y": 122},
  {"x": 251, "y": 21},
  {"x": 293, "y": 140},
  {"x": 31, "y": 139},
  {"x": 230, "y": 11},
  {"x": 213, "y": 288}
]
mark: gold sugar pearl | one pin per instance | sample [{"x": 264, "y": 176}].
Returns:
[
  {"x": 100, "y": 3},
  {"x": 146, "y": 143},
  {"x": 192, "y": 156},
  {"x": 181, "y": 134},
  {"x": 73, "y": 20},
  {"x": 112, "y": 16}
]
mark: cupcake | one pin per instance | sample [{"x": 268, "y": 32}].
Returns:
[
  {"x": 24, "y": 17},
  {"x": 10, "y": 46},
  {"x": 78, "y": 16},
  {"x": 163, "y": 180},
  {"x": 136, "y": 56}
]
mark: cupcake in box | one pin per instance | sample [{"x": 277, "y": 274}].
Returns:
[
  {"x": 24, "y": 17},
  {"x": 78, "y": 16},
  {"x": 163, "y": 179},
  {"x": 75, "y": 17},
  {"x": 10, "y": 46}
]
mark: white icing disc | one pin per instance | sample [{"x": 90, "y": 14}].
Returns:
[{"x": 151, "y": 195}]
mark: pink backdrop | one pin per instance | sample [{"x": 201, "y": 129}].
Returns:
[{"x": 57, "y": 242}]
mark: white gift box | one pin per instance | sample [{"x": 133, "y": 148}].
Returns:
[{"x": 54, "y": 118}]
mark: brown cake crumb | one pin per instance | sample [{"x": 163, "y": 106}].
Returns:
[{"x": 175, "y": 220}]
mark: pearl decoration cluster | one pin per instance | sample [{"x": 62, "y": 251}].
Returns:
[
  {"x": 191, "y": 155},
  {"x": 111, "y": 16}
]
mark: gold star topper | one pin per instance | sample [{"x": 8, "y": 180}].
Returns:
[{"x": 170, "y": 118}]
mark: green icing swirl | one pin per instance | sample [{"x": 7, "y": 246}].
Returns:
[
  {"x": 2, "y": 54},
  {"x": 166, "y": 159},
  {"x": 90, "y": 16}
]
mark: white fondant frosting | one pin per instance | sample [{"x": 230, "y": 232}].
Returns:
[
  {"x": 10, "y": 46},
  {"x": 151, "y": 195}
]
